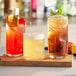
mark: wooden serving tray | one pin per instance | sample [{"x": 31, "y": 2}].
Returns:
[{"x": 47, "y": 62}]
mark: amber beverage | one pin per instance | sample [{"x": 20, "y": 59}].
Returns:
[{"x": 57, "y": 36}]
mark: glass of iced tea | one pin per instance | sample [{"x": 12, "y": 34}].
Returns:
[
  {"x": 33, "y": 46},
  {"x": 57, "y": 36}
]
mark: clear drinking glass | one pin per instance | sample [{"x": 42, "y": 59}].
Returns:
[
  {"x": 33, "y": 46},
  {"x": 14, "y": 40},
  {"x": 57, "y": 36}
]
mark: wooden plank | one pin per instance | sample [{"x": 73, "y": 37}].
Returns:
[{"x": 19, "y": 61}]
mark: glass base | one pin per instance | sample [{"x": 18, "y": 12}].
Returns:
[
  {"x": 15, "y": 55},
  {"x": 57, "y": 57}
]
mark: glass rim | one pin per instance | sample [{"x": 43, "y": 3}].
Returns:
[
  {"x": 58, "y": 15},
  {"x": 61, "y": 20},
  {"x": 35, "y": 36}
]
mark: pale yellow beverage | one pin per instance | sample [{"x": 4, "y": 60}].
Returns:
[{"x": 33, "y": 46}]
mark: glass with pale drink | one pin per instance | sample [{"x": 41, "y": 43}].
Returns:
[
  {"x": 57, "y": 36},
  {"x": 33, "y": 46}
]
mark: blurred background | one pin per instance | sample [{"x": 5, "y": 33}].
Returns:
[
  {"x": 36, "y": 13},
  {"x": 38, "y": 9}
]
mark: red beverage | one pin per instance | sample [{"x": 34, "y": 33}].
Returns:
[
  {"x": 58, "y": 36},
  {"x": 14, "y": 35}
]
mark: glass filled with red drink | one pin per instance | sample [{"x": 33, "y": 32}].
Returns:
[
  {"x": 57, "y": 36},
  {"x": 15, "y": 26}
]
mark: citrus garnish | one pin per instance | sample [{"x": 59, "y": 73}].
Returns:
[
  {"x": 57, "y": 21},
  {"x": 10, "y": 18},
  {"x": 10, "y": 22}
]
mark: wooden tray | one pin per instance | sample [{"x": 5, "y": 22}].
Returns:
[{"x": 19, "y": 61}]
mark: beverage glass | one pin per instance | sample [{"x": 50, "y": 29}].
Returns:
[
  {"x": 33, "y": 46},
  {"x": 15, "y": 26},
  {"x": 14, "y": 40},
  {"x": 57, "y": 36}
]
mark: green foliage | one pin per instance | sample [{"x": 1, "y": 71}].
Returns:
[{"x": 59, "y": 12}]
